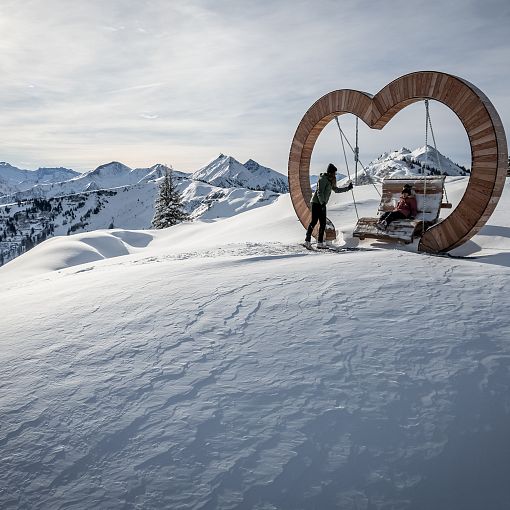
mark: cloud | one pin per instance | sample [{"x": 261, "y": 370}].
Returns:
[{"x": 83, "y": 82}]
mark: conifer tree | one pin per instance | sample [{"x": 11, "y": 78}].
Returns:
[{"x": 168, "y": 208}]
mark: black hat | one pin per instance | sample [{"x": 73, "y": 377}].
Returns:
[
  {"x": 331, "y": 169},
  {"x": 407, "y": 188}
]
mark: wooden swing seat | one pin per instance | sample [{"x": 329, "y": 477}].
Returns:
[{"x": 428, "y": 205}]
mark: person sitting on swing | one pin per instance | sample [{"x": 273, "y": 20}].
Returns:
[
  {"x": 405, "y": 209},
  {"x": 326, "y": 184}
]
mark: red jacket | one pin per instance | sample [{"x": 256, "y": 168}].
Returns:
[{"x": 407, "y": 206}]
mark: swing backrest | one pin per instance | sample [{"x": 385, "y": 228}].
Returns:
[{"x": 428, "y": 192}]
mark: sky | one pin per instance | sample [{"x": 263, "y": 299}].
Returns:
[{"x": 178, "y": 82}]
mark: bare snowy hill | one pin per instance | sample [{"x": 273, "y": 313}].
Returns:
[{"x": 221, "y": 365}]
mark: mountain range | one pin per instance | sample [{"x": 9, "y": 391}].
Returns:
[
  {"x": 14, "y": 179},
  {"x": 39, "y": 204},
  {"x": 115, "y": 195}
]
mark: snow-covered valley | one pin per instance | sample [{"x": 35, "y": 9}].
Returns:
[{"x": 221, "y": 365}]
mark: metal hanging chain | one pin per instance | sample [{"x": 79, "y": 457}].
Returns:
[
  {"x": 342, "y": 134},
  {"x": 434, "y": 140},
  {"x": 438, "y": 159},
  {"x": 356, "y": 155},
  {"x": 427, "y": 118},
  {"x": 348, "y": 173}
]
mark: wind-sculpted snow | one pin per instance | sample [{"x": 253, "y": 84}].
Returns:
[
  {"x": 222, "y": 366},
  {"x": 286, "y": 383}
]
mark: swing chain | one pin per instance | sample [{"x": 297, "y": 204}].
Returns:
[
  {"x": 427, "y": 118},
  {"x": 343, "y": 135},
  {"x": 348, "y": 172}
]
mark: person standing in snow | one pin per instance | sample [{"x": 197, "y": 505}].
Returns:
[
  {"x": 326, "y": 184},
  {"x": 405, "y": 209}
]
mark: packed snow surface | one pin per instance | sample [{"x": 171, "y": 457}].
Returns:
[{"x": 218, "y": 364}]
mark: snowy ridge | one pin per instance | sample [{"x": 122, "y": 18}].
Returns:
[
  {"x": 406, "y": 163},
  {"x": 17, "y": 179},
  {"x": 226, "y": 172},
  {"x": 271, "y": 180},
  {"x": 108, "y": 176}
]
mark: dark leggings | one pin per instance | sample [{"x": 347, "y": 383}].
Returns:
[
  {"x": 390, "y": 216},
  {"x": 318, "y": 215}
]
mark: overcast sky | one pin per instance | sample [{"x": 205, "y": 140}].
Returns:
[{"x": 179, "y": 81}]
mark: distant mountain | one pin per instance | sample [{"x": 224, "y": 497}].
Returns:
[
  {"x": 227, "y": 172},
  {"x": 404, "y": 163},
  {"x": 20, "y": 179},
  {"x": 6, "y": 187},
  {"x": 107, "y": 176},
  {"x": 275, "y": 181},
  {"x": 115, "y": 174}
]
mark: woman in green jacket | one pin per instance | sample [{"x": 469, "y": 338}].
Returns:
[{"x": 326, "y": 184}]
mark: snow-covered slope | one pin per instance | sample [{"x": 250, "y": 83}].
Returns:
[
  {"x": 268, "y": 178},
  {"x": 226, "y": 172},
  {"x": 402, "y": 163},
  {"x": 129, "y": 207},
  {"x": 220, "y": 365},
  {"x": 6, "y": 187}
]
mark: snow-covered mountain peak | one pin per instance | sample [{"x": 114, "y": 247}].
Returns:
[
  {"x": 55, "y": 174},
  {"x": 113, "y": 168},
  {"x": 424, "y": 160},
  {"x": 252, "y": 165},
  {"x": 160, "y": 167},
  {"x": 4, "y": 164},
  {"x": 225, "y": 171}
]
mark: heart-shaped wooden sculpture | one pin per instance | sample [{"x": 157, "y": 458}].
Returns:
[{"x": 489, "y": 152}]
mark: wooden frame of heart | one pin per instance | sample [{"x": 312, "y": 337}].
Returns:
[{"x": 489, "y": 152}]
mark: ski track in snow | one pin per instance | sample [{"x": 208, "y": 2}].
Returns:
[{"x": 225, "y": 390}]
